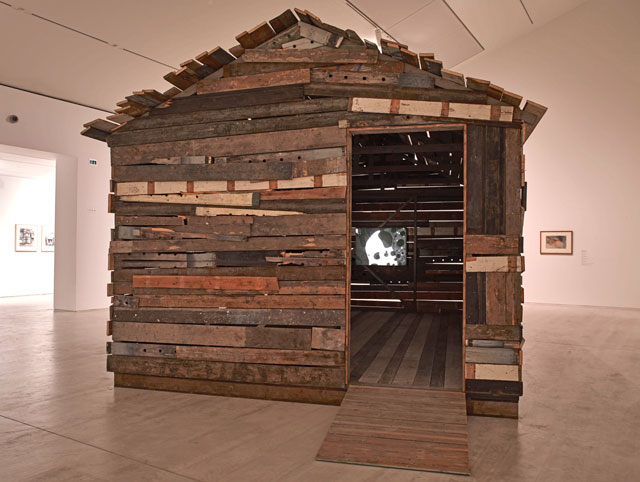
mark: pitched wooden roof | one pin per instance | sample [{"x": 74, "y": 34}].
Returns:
[{"x": 303, "y": 50}]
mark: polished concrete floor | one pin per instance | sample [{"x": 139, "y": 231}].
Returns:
[{"x": 62, "y": 420}]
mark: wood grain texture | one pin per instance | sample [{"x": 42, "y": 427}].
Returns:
[
  {"x": 327, "y": 56},
  {"x": 240, "y": 316},
  {"x": 287, "y": 77},
  {"x": 402, "y": 428},
  {"x": 231, "y": 389},
  {"x": 234, "y": 145},
  {"x": 232, "y": 355},
  {"x": 326, "y": 377},
  {"x": 239, "y": 336}
]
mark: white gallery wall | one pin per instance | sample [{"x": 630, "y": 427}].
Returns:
[
  {"x": 27, "y": 196},
  {"x": 582, "y": 161},
  {"x": 51, "y": 128}
]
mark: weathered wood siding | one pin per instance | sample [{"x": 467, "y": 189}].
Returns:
[
  {"x": 493, "y": 269},
  {"x": 229, "y": 251}
]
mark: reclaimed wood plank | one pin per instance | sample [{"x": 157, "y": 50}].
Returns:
[
  {"x": 225, "y": 354},
  {"x": 240, "y": 336},
  {"x": 217, "y": 199},
  {"x": 425, "y": 366},
  {"x": 300, "y": 225},
  {"x": 241, "y": 316},
  {"x": 494, "y": 332},
  {"x": 258, "y": 243},
  {"x": 377, "y": 433},
  {"x": 287, "y": 77},
  {"x": 237, "y": 113},
  {"x": 476, "y": 244},
  {"x": 409, "y": 366},
  {"x": 361, "y": 334},
  {"x": 243, "y": 301},
  {"x": 329, "y": 56},
  {"x": 493, "y": 356},
  {"x": 489, "y": 264},
  {"x": 495, "y": 298},
  {"x": 313, "y": 138},
  {"x": 377, "y": 367},
  {"x": 227, "y": 283},
  {"x": 230, "y": 389},
  {"x": 433, "y": 109},
  {"x": 497, "y": 372},
  {"x": 328, "y": 339},
  {"x": 326, "y": 377}
]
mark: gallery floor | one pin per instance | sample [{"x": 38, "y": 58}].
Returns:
[{"x": 62, "y": 420}]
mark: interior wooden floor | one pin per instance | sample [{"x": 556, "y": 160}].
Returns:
[{"x": 419, "y": 350}]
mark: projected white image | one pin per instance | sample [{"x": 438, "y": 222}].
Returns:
[{"x": 381, "y": 246}]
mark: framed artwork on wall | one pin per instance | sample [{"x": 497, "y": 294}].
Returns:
[
  {"x": 556, "y": 242},
  {"x": 26, "y": 237},
  {"x": 48, "y": 238}
]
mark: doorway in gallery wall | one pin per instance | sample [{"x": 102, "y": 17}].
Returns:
[{"x": 27, "y": 222}]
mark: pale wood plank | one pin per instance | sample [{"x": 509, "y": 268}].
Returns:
[
  {"x": 375, "y": 370},
  {"x": 409, "y": 366}
]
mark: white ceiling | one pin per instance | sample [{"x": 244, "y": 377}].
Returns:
[{"x": 93, "y": 51}]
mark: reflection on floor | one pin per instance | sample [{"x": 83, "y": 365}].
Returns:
[{"x": 422, "y": 350}]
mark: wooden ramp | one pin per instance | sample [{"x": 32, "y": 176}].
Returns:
[{"x": 404, "y": 428}]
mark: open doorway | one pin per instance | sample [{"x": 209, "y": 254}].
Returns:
[
  {"x": 407, "y": 257},
  {"x": 27, "y": 223}
]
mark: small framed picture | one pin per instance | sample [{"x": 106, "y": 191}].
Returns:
[
  {"x": 26, "y": 237},
  {"x": 48, "y": 238},
  {"x": 556, "y": 242}
]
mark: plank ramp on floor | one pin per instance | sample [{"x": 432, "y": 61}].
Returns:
[{"x": 404, "y": 428}]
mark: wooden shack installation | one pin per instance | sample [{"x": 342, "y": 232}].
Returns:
[{"x": 238, "y": 197}]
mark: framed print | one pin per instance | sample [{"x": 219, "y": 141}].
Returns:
[
  {"x": 556, "y": 242},
  {"x": 48, "y": 238},
  {"x": 26, "y": 237}
]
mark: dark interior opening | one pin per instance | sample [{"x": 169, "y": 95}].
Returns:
[{"x": 406, "y": 306}]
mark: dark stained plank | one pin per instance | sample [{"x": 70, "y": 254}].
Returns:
[
  {"x": 375, "y": 371},
  {"x": 494, "y": 181},
  {"x": 440, "y": 355},
  {"x": 239, "y": 336},
  {"x": 226, "y": 354},
  {"x": 236, "y": 113},
  {"x": 474, "y": 178},
  {"x": 318, "y": 302},
  {"x": 265, "y": 317},
  {"x": 392, "y": 368},
  {"x": 326, "y": 377},
  {"x": 225, "y": 100},
  {"x": 425, "y": 366},
  {"x": 409, "y": 365},
  {"x": 361, "y": 360},
  {"x": 471, "y": 298},
  {"x": 329, "y": 55},
  {"x": 313, "y": 138},
  {"x": 512, "y": 182},
  {"x": 231, "y": 389},
  {"x": 454, "y": 362},
  {"x": 366, "y": 327}
]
